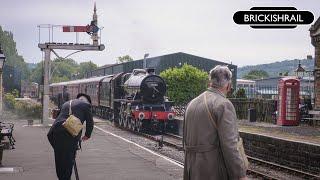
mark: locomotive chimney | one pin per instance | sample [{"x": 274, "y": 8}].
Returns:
[{"x": 150, "y": 70}]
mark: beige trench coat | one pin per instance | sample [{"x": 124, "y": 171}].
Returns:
[{"x": 211, "y": 153}]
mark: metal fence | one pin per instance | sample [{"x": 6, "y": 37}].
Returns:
[
  {"x": 271, "y": 92},
  {"x": 264, "y": 108}
]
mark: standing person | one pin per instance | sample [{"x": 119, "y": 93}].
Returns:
[
  {"x": 211, "y": 133},
  {"x": 63, "y": 143}
]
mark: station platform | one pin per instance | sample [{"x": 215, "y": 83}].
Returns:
[
  {"x": 102, "y": 157},
  {"x": 302, "y": 133}
]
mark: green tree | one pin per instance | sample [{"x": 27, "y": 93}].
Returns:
[
  {"x": 184, "y": 83},
  {"x": 63, "y": 69},
  {"x": 12, "y": 57},
  {"x": 240, "y": 93},
  {"x": 125, "y": 58},
  {"x": 36, "y": 73},
  {"x": 85, "y": 67},
  {"x": 256, "y": 74}
]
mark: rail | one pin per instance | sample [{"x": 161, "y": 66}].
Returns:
[{"x": 175, "y": 141}]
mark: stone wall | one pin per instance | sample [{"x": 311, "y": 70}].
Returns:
[
  {"x": 315, "y": 41},
  {"x": 298, "y": 155}
]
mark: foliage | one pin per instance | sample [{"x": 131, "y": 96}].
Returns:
[
  {"x": 284, "y": 74},
  {"x": 256, "y": 74},
  {"x": 9, "y": 101},
  {"x": 63, "y": 70},
  {"x": 28, "y": 109},
  {"x": 25, "y": 108},
  {"x": 240, "y": 93},
  {"x": 12, "y": 57},
  {"x": 15, "y": 93},
  {"x": 184, "y": 83},
  {"x": 36, "y": 73},
  {"x": 125, "y": 58},
  {"x": 85, "y": 67}
]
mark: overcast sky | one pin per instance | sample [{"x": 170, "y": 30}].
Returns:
[{"x": 158, "y": 27}]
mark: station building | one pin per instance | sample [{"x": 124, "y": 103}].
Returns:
[
  {"x": 268, "y": 87},
  {"x": 161, "y": 63},
  {"x": 29, "y": 89}
]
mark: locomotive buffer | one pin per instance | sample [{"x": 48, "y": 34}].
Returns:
[{"x": 92, "y": 30}]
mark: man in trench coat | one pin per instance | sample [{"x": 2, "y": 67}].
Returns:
[{"x": 211, "y": 133}]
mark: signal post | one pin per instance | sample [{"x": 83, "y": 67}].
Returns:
[{"x": 49, "y": 47}]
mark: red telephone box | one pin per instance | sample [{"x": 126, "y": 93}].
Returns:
[{"x": 288, "y": 103}]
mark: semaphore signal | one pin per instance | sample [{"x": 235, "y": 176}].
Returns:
[{"x": 47, "y": 47}]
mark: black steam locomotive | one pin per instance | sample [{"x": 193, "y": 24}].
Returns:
[{"x": 131, "y": 100}]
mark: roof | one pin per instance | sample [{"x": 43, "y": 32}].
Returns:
[
  {"x": 245, "y": 80},
  {"x": 181, "y": 53},
  {"x": 79, "y": 81}
]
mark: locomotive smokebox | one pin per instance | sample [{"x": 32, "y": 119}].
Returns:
[{"x": 145, "y": 86}]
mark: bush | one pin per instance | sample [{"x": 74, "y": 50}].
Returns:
[
  {"x": 9, "y": 101},
  {"x": 184, "y": 83},
  {"x": 28, "y": 109},
  {"x": 241, "y": 93}
]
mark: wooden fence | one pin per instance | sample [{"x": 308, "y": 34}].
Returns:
[{"x": 265, "y": 109}]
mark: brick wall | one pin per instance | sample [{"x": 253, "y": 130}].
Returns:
[{"x": 302, "y": 156}]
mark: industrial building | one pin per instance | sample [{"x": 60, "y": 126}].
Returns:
[{"x": 161, "y": 63}]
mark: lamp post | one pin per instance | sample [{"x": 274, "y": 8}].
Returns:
[
  {"x": 300, "y": 71},
  {"x": 2, "y": 60}
]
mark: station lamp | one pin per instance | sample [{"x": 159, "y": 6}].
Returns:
[
  {"x": 300, "y": 71},
  {"x": 2, "y": 60}
]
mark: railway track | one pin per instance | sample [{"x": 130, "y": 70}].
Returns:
[
  {"x": 288, "y": 170},
  {"x": 175, "y": 141}
]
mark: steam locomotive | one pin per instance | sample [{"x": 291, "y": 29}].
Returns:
[{"x": 131, "y": 100}]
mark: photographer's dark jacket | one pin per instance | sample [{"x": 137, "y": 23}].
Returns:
[{"x": 81, "y": 110}]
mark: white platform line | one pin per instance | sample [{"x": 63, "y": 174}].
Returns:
[
  {"x": 10, "y": 169},
  {"x": 146, "y": 149}
]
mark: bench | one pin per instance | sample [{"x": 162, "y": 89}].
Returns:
[{"x": 6, "y": 130}]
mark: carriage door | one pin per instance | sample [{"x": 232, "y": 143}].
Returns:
[{"x": 288, "y": 107}]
